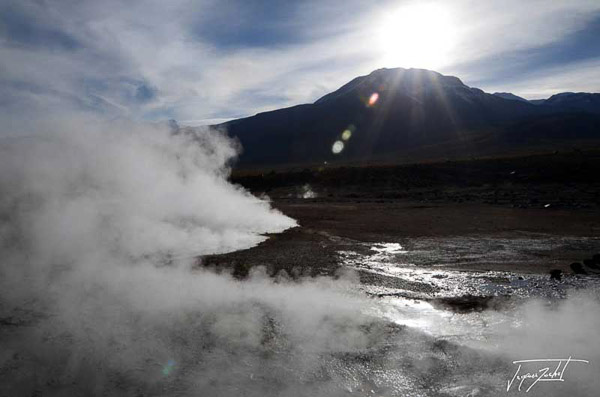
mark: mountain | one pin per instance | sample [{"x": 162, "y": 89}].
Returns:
[
  {"x": 537, "y": 101},
  {"x": 394, "y": 115},
  {"x": 568, "y": 101},
  {"x": 511, "y": 96}
]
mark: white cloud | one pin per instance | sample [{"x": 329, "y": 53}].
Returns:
[
  {"x": 153, "y": 42},
  {"x": 494, "y": 27}
]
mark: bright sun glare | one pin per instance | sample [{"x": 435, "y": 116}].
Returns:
[{"x": 420, "y": 36}]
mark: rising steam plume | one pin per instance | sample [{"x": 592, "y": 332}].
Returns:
[{"x": 101, "y": 226}]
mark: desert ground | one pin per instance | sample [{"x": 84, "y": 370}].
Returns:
[{"x": 504, "y": 219}]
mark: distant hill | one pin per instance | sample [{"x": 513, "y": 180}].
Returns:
[
  {"x": 395, "y": 114},
  {"x": 582, "y": 101},
  {"x": 564, "y": 101},
  {"x": 508, "y": 95},
  {"x": 537, "y": 101}
]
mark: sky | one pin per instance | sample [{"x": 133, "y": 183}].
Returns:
[{"x": 204, "y": 61}]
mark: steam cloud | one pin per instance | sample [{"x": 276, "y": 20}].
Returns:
[{"x": 101, "y": 223}]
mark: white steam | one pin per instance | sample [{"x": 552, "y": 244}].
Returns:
[
  {"x": 135, "y": 190},
  {"x": 100, "y": 292}
]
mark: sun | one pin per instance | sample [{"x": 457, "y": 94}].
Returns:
[{"x": 418, "y": 35}]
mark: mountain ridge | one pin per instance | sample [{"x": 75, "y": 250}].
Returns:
[{"x": 391, "y": 112}]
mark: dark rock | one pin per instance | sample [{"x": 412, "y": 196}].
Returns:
[
  {"x": 556, "y": 274},
  {"x": 578, "y": 268},
  {"x": 591, "y": 264},
  {"x": 470, "y": 303}
]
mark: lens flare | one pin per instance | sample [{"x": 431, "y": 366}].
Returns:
[
  {"x": 167, "y": 369},
  {"x": 337, "y": 148},
  {"x": 346, "y": 135},
  {"x": 373, "y": 99}
]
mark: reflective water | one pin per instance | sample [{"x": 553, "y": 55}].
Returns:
[
  {"x": 420, "y": 268},
  {"x": 409, "y": 278}
]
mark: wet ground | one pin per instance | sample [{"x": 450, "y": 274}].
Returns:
[
  {"x": 428, "y": 296},
  {"x": 433, "y": 238},
  {"x": 425, "y": 269},
  {"x": 415, "y": 238},
  {"x": 434, "y": 270},
  {"x": 456, "y": 278}
]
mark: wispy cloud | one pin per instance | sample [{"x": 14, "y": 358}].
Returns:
[
  {"x": 575, "y": 77},
  {"x": 195, "y": 60}
]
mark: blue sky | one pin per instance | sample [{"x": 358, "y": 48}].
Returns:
[{"x": 211, "y": 60}]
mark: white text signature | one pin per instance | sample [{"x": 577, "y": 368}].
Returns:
[{"x": 552, "y": 370}]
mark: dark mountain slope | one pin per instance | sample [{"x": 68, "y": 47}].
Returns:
[
  {"x": 388, "y": 113},
  {"x": 509, "y": 95},
  {"x": 575, "y": 101}
]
